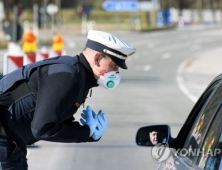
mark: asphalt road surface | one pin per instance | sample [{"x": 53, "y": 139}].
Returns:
[{"x": 148, "y": 94}]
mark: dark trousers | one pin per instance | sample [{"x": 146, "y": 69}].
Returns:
[{"x": 12, "y": 157}]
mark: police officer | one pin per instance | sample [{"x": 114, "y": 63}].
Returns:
[{"x": 38, "y": 101}]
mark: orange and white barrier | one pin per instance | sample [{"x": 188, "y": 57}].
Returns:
[
  {"x": 16, "y": 58},
  {"x": 57, "y": 53},
  {"x": 43, "y": 54},
  {"x": 57, "y": 46},
  {"x": 29, "y": 45},
  {"x": 12, "y": 62},
  {"x": 30, "y": 58},
  {"x": 13, "y": 59}
]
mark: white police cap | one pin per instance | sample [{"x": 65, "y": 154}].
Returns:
[{"x": 111, "y": 46}]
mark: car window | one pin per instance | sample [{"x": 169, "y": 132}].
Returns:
[
  {"x": 202, "y": 123},
  {"x": 210, "y": 157}
]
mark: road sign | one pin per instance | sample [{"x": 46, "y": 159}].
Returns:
[
  {"x": 9, "y": 32},
  {"x": 120, "y": 5},
  {"x": 52, "y": 9},
  {"x": 152, "y": 5}
]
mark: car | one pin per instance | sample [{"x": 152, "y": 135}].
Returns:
[{"x": 198, "y": 144}]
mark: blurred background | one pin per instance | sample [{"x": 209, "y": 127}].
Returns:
[
  {"x": 179, "y": 47},
  {"x": 127, "y": 15}
]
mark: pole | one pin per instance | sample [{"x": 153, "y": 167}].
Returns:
[
  {"x": 7, "y": 12},
  {"x": 199, "y": 7},
  {"x": 84, "y": 23},
  {"x": 58, "y": 19},
  {"x": 45, "y": 15},
  {"x": 220, "y": 8},
  {"x": 53, "y": 27},
  {"x": 152, "y": 15},
  {"x": 35, "y": 19},
  {"x": 15, "y": 22},
  {"x": 118, "y": 20}
]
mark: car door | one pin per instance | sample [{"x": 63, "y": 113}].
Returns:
[
  {"x": 202, "y": 112},
  {"x": 210, "y": 158},
  {"x": 205, "y": 138},
  {"x": 198, "y": 134},
  {"x": 208, "y": 153}
]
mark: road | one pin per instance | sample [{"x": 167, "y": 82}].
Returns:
[{"x": 150, "y": 93}]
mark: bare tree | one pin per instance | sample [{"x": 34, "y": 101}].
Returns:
[
  {"x": 58, "y": 15},
  {"x": 181, "y": 7},
  {"x": 220, "y": 7},
  {"x": 213, "y": 5},
  {"x": 199, "y": 5},
  {"x": 192, "y": 7}
]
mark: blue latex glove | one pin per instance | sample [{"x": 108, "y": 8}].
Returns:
[
  {"x": 101, "y": 127},
  {"x": 89, "y": 118}
]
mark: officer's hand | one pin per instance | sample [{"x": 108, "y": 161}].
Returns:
[
  {"x": 89, "y": 118},
  {"x": 101, "y": 127}
]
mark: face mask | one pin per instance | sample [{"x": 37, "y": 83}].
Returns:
[{"x": 109, "y": 80}]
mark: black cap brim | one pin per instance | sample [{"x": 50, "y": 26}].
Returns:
[{"x": 119, "y": 62}]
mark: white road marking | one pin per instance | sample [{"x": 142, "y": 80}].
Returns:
[
  {"x": 147, "y": 67},
  {"x": 183, "y": 88},
  {"x": 72, "y": 44},
  {"x": 192, "y": 86},
  {"x": 166, "y": 56},
  {"x": 181, "y": 83}
]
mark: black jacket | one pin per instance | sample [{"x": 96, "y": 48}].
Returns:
[{"x": 46, "y": 113}]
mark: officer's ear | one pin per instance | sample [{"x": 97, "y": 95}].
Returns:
[{"x": 97, "y": 59}]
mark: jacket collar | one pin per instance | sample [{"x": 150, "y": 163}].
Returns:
[{"x": 89, "y": 72}]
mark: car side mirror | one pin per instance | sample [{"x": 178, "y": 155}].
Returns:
[{"x": 152, "y": 135}]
